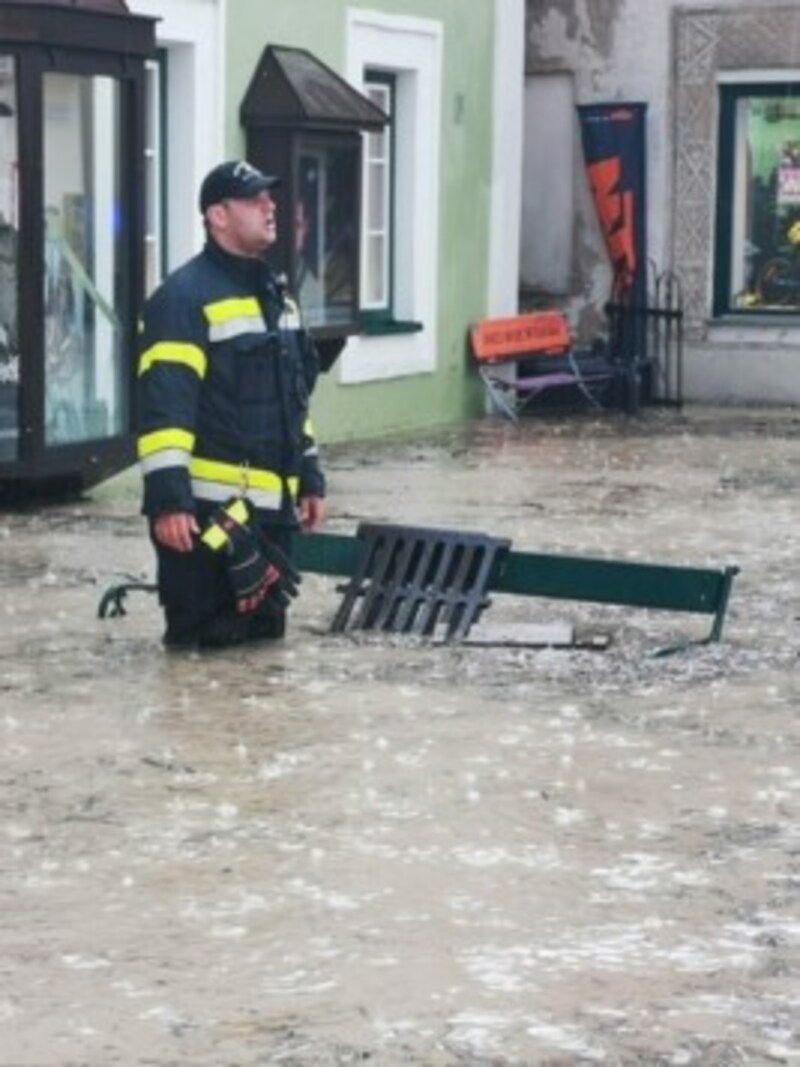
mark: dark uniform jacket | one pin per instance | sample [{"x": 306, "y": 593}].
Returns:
[{"x": 225, "y": 372}]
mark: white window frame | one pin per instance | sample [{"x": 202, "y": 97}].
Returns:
[
  {"x": 411, "y": 49},
  {"x": 154, "y": 237},
  {"x": 193, "y": 34}
]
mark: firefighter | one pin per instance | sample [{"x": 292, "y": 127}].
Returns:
[{"x": 225, "y": 441}]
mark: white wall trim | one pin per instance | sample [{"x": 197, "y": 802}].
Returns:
[
  {"x": 507, "y": 142},
  {"x": 412, "y": 48},
  {"x": 193, "y": 32},
  {"x": 748, "y": 77}
]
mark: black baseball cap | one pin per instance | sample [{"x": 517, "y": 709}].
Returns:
[{"x": 233, "y": 180}]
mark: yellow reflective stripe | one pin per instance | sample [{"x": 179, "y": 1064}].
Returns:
[
  {"x": 235, "y": 307},
  {"x": 174, "y": 352},
  {"x": 233, "y": 317},
  {"x": 238, "y": 512},
  {"x": 212, "y": 470},
  {"x": 213, "y": 480},
  {"x": 308, "y": 427},
  {"x": 215, "y": 537},
  {"x": 161, "y": 439}
]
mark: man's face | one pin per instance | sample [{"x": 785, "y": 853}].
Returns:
[{"x": 246, "y": 227}]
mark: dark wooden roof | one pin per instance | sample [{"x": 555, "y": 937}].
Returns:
[
  {"x": 97, "y": 25},
  {"x": 290, "y": 86},
  {"x": 111, "y": 7}
]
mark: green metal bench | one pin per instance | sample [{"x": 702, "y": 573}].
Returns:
[
  {"x": 411, "y": 579},
  {"x": 696, "y": 590}
]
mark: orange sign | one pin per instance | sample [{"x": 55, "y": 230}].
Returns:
[{"x": 538, "y": 333}]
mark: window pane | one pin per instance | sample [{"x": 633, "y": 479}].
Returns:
[
  {"x": 377, "y": 197},
  {"x": 376, "y": 258},
  {"x": 376, "y": 146},
  {"x": 324, "y": 235},
  {"x": 85, "y": 392},
  {"x": 376, "y": 270},
  {"x": 765, "y": 237},
  {"x": 9, "y": 229}
]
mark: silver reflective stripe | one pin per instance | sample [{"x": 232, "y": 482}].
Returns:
[
  {"x": 219, "y": 492},
  {"x": 312, "y": 450},
  {"x": 168, "y": 457},
  {"x": 226, "y": 331}
]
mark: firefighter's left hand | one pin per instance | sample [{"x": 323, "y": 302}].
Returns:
[{"x": 311, "y": 512}]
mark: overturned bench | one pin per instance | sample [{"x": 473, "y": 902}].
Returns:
[
  {"x": 522, "y": 356},
  {"x": 384, "y": 554},
  {"x": 435, "y": 582}
]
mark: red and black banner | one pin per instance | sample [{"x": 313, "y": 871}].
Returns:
[{"x": 613, "y": 138}]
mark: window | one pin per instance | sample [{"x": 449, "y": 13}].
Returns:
[
  {"x": 757, "y": 265},
  {"x": 404, "y": 55},
  {"x": 85, "y": 391},
  {"x": 9, "y": 244},
  {"x": 378, "y": 209}
]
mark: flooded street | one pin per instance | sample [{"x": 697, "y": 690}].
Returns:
[{"x": 341, "y": 850}]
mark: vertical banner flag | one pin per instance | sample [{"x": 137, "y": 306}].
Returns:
[{"x": 613, "y": 137}]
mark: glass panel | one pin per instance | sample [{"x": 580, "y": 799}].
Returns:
[
  {"x": 376, "y": 147},
  {"x": 377, "y": 208},
  {"x": 325, "y": 233},
  {"x": 9, "y": 230},
  {"x": 85, "y": 390},
  {"x": 376, "y": 269},
  {"x": 153, "y": 165},
  {"x": 377, "y": 196},
  {"x": 765, "y": 238}
]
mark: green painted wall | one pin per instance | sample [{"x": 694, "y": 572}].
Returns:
[{"x": 449, "y": 394}]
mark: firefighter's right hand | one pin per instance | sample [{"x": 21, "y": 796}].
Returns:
[{"x": 175, "y": 530}]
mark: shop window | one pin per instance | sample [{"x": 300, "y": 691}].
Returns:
[
  {"x": 85, "y": 381},
  {"x": 757, "y": 263}
]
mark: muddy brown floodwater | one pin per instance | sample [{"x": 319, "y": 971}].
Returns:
[{"x": 344, "y": 850}]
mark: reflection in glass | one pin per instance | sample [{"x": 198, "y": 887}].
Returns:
[
  {"x": 765, "y": 245},
  {"x": 9, "y": 230},
  {"x": 325, "y": 266},
  {"x": 84, "y": 385}
]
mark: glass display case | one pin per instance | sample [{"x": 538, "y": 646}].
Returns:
[
  {"x": 304, "y": 124},
  {"x": 71, "y": 162}
]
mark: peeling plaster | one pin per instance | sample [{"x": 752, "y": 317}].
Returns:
[{"x": 559, "y": 28}]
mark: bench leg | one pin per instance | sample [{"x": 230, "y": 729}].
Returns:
[{"x": 498, "y": 394}]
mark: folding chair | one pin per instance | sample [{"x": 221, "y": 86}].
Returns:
[{"x": 504, "y": 348}]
